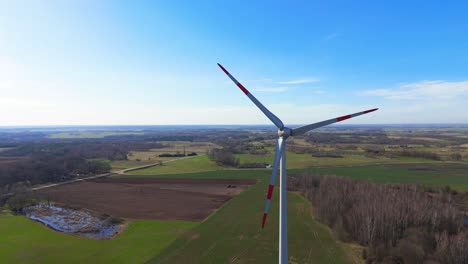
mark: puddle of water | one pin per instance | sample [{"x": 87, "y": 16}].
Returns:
[{"x": 72, "y": 221}]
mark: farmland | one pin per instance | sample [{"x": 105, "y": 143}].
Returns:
[
  {"x": 296, "y": 160},
  {"x": 195, "y": 164},
  {"x": 182, "y": 211},
  {"x": 436, "y": 174},
  {"x": 233, "y": 234},
  {"x": 27, "y": 241},
  {"x": 168, "y": 199},
  {"x": 238, "y": 220},
  {"x": 139, "y": 158},
  {"x": 237, "y": 132}
]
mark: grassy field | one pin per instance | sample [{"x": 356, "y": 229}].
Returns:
[
  {"x": 125, "y": 164},
  {"x": 436, "y": 174},
  {"x": 297, "y": 161},
  {"x": 140, "y": 158},
  {"x": 233, "y": 234},
  {"x": 432, "y": 174},
  {"x": 217, "y": 174},
  {"x": 26, "y": 241},
  {"x": 294, "y": 160},
  {"x": 195, "y": 164}
]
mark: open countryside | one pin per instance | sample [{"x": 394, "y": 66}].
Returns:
[
  {"x": 233, "y": 132},
  {"x": 193, "y": 203}
]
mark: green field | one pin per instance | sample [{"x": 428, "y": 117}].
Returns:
[
  {"x": 436, "y": 174},
  {"x": 297, "y": 161},
  {"x": 140, "y": 158},
  {"x": 26, "y": 241},
  {"x": 125, "y": 164},
  {"x": 232, "y": 234},
  {"x": 218, "y": 174},
  {"x": 195, "y": 164}
]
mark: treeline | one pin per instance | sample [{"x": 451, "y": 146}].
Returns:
[
  {"x": 419, "y": 154},
  {"x": 80, "y": 148},
  {"x": 223, "y": 157},
  {"x": 55, "y": 161},
  {"x": 177, "y": 154},
  {"x": 382, "y": 138},
  {"x": 326, "y": 155},
  {"x": 253, "y": 165},
  {"x": 49, "y": 168},
  {"x": 399, "y": 223}
]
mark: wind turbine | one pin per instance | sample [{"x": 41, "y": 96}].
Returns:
[{"x": 280, "y": 160}]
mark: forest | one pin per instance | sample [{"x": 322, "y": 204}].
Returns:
[
  {"x": 54, "y": 161},
  {"x": 399, "y": 223}
]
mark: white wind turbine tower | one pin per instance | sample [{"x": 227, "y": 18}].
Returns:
[{"x": 280, "y": 159}]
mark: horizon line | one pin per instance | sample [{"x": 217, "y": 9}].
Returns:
[{"x": 298, "y": 124}]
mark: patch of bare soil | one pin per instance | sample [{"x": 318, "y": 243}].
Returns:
[{"x": 149, "y": 198}]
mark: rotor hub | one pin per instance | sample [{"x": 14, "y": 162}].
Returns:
[{"x": 285, "y": 133}]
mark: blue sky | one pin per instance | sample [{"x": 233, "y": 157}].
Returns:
[{"x": 154, "y": 62}]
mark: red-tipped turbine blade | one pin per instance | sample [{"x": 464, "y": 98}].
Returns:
[
  {"x": 262, "y": 108},
  {"x": 274, "y": 172},
  {"x": 301, "y": 130}
]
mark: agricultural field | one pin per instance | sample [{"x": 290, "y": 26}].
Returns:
[
  {"x": 4, "y": 149},
  {"x": 140, "y": 158},
  {"x": 7, "y": 160},
  {"x": 186, "y": 165},
  {"x": 215, "y": 240},
  {"x": 27, "y": 241},
  {"x": 186, "y": 210},
  {"x": 303, "y": 160},
  {"x": 340, "y": 147},
  {"x": 436, "y": 174},
  {"x": 156, "y": 198},
  {"x": 233, "y": 235},
  {"x": 233, "y": 132}
]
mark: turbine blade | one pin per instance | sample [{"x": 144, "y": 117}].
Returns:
[
  {"x": 301, "y": 130},
  {"x": 278, "y": 153},
  {"x": 267, "y": 112}
]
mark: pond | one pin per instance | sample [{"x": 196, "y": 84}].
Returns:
[{"x": 72, "y": 221}]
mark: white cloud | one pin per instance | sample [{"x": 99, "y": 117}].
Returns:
[
  {"x": 270, "y": 85},
  {"x": 436, "y": 90},
  {"x": 331, "y": 36},
  {"x": 260, "y": 80},
  {"x": 78, "y": 113},
  {"x": 271, "y": 89},
  {"x": 282, "y": 89},
  {"x": 301, "y": 81}
]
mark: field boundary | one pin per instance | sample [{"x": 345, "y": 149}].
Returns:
[
  {"x": 121, "y": 172},
  {"x": 153, "y": 164}
]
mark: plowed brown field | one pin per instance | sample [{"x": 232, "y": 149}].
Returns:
[{"x": 149, "y": 198}]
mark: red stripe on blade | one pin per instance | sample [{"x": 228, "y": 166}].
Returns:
[
  {"x": 372, "y": 110},
  {"x": 243, "y": 88},
  {"x": 341, "y": 118},
  {"x": 270, "y": 191},
  {"x": 233, "y": 79},
  {"x": 222, "y": 68},
  {"x": 264, "y": 219}
]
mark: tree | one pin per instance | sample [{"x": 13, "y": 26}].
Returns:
[{"x": 456, "y": 156}]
